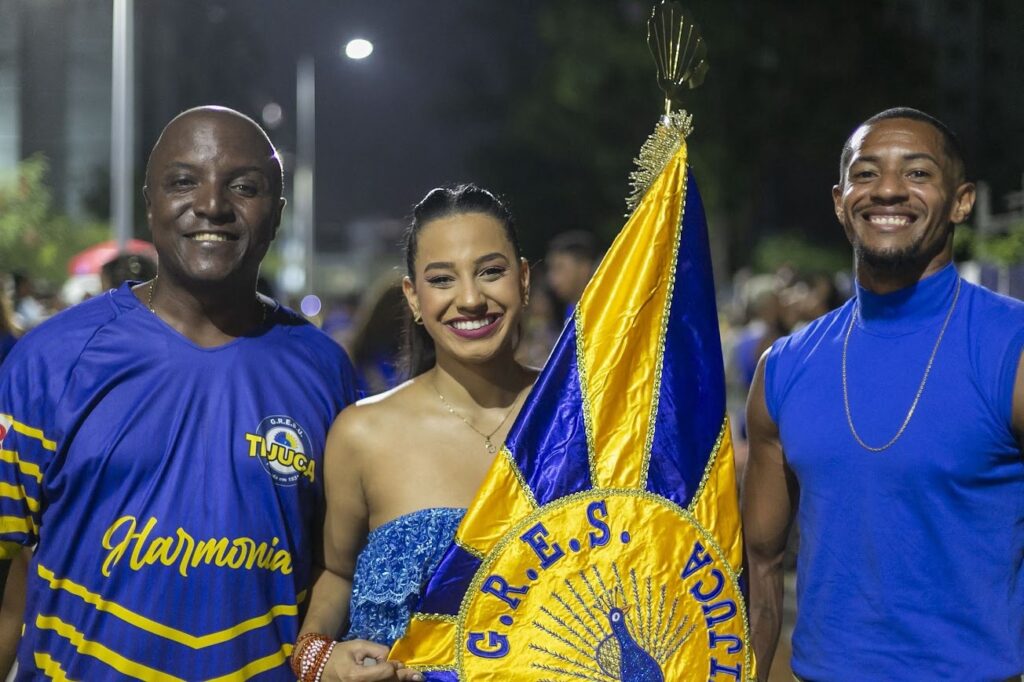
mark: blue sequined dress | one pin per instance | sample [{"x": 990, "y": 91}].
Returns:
[{"x": 394, "y": 566}]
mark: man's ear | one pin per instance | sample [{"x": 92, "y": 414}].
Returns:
[
  {"x": 837, "y": 202},
  {"x": 963, "y": 203},
  {"x": 277, "y": 219}
]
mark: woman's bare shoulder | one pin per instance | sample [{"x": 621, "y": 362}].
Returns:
[{"x": 372, "y": 419}]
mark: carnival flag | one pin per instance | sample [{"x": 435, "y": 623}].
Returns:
[{"x": 605, "y": 542}]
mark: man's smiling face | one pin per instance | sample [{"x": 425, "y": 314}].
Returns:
[
  {"x": 213, "y": 197},
  {"x": 900, "y": 194}
]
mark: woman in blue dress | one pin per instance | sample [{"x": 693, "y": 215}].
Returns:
[{"x": 401, "y": 468}]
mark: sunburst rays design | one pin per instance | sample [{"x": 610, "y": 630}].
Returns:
[{"x": 575, "y": 641}]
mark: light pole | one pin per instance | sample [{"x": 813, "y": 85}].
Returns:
[
  {"x": 303, "y": 252},
  {"x": 122, "y": 123},
  {"x": 305, "y": 160}
]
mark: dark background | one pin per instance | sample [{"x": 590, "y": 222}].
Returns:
[{"x": 548, "y": 102}]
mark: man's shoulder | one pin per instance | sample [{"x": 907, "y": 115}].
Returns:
[
  {"x": 300, "y": 329},
  {"x": 308, "y": 341},
  {"x": 72, "y": 327}
]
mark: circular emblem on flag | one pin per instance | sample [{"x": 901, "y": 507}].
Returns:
[{"x": 606, "y": 585}]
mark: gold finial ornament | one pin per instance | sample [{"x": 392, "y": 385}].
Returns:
[
  {"x": 678, "y": 49},
  {"x": 655, "y": 152},
  {"x": 681, "y": 57}
]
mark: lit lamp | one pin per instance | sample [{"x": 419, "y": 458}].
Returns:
[{"x": 298, "y": 273}]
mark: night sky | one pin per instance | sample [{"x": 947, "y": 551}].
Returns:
[
  {"x": 548, "y": 102},
  {"x": 389, "y": 127}
]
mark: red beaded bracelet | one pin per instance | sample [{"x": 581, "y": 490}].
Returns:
[{"x": 309, "y": 657}]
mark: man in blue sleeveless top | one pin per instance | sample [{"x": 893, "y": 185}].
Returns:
[
  {"x": 890, "y": 428},
  {"x": 162, "y": 443}
]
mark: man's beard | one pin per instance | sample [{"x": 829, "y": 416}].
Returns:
[{"x": 910, "y": 257}]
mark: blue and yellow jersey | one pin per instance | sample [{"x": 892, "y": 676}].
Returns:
[{"x": 174, "y": 492}]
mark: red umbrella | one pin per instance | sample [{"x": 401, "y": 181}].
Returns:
[{"x": 93, "y": 258}]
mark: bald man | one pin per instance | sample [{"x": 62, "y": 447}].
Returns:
[{"x": 162, "y": 443}]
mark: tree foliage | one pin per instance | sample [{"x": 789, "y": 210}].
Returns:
[
  {"x": 1004, "y": 249},
  {"x": 33, "y": 237},
  {"x": 785, "y": 88}
]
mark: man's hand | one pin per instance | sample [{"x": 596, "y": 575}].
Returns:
[{"x": 361, "y": 661}]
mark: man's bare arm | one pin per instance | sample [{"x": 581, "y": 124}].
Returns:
[
  {"x": 768, "y": 504},
  {"x": 13, "y": 609},
  {"x": 1018, "y": 403}
]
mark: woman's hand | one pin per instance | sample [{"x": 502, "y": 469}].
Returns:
[{"x": 346, "y": 664}]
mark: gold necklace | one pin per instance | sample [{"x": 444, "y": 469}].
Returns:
[
  {"x": 152, "y": 288},
  {"x": 490, "y": 446},
  {"x": 920, "y": 388}
]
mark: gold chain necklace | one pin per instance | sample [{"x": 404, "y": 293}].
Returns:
[
  {"x": 152, "y": 288},
  {"x": 920, "y": 389},
  {"x": 490, "y": 446}
]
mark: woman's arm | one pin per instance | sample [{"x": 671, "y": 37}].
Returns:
[
  {"x": 345, "y": 528},
  {"x": 13, "y": 609}
]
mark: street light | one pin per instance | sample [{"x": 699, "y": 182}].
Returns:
[
  {"x": 358, "y": 48},
  {"x": 305, "y": 166}
]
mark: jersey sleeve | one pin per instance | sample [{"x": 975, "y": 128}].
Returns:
[{"x": 27, "y": 447}]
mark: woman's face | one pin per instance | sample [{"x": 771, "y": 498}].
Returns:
[{"x": 468, "y": 286}]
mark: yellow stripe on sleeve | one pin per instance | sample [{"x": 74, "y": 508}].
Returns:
[
  {"x": 50, "y": 667},
  {"x": 27, "y": 468},
  {"x": 9, "y": 550},
  {"x": 17, "y": 524},
  {"x": 30, "y": 431},
  {"x": 260, "y": 665},
  {"x": 87, "y": 647},
  {"x": 132, "y": 668},
  {"x": 17, "y": 492},
  {"x": 159, "y": 629}
]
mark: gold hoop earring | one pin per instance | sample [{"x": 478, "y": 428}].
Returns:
[
  {"x": 417, "y": 318},
  {"x": 526, "y": 299}
]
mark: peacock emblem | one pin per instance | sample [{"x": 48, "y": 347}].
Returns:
[
  {"x": 606, "y": 629},
  {"x": 619, "y": 656}
]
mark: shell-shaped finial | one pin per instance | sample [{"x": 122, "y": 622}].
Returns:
[{"x": 678, "y": 48}]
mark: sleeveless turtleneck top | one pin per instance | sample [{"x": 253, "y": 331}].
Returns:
[{"x": 911, "y": 560}]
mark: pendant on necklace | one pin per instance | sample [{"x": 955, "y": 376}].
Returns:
[{"x": 490, "y": 446}]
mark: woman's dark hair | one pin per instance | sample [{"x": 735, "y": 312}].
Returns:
[{"x": 418, "y": 348}]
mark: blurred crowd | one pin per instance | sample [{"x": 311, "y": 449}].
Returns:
[
  {"x": 24, "y": 302},
  {"x": 755, "y": 310},
  {"x": 760, "y": 308}
]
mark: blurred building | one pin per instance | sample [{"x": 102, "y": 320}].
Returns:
[{"x": 55, "y": 63}]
